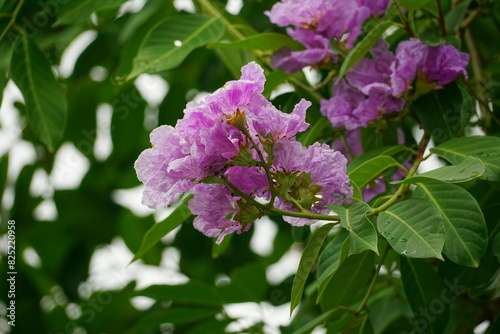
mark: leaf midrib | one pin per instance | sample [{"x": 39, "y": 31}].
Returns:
[
  {"x": 31, "y": 84},
  {"x": 184, "y": 42},
  {"x": 449, "y": 222},
  {"x": 416, "y": 233}
]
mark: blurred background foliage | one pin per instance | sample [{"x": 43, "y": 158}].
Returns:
[{"x": 108, "y": 124}]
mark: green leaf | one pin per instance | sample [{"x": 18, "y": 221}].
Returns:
[
  {"x": 412, "y": 4},
  {"x": 312, "y": 324},
  {"x": 45, "y": 101},
  {"x": 171, "y": 41},
  {"x": 386, "y": 150},
  {"x": 273, "y": 80},
  {"x": 265, "y": 42},
  {"x": 466, "y": 232},
  {"x": 178, "y": 316},
  {"x": 413, "y": 228},
  {"x": 349, "y": 283},
  {"x": 485, "y": 148},
  {"x": 361, "y": 231},
  {"x": 370, "y": 169},
  {"x": 306, "y": 263},
  {"x": 455, "y": 16},
  {"x": 248, "y": 284},
  {"x": 80, "y": 11},
  {"x": 191, "y": 293},
  {"x": 330, "y": 259},
  {"x": 218, "y": 249},
  {"x": 362, "y": 48},
  {"x": 444, "y": 112},
  {"x": 161, "y": 229},
  {"x": 468, "y": 169},
  {"x": 426, "y": 295},
  {"x": 496, "y": 245},
  {"x": 309, "y": 137}
]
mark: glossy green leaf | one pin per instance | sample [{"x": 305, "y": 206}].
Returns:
[
  {"x": 265, "y": 42},
  {"x": 363, "y": 235},
  {"x": 161, "y": 229},
  {"x": 444, "y": 113},
  {"x": 45, "y": 101},
  {"x": 170, "y": 42},
  {"x": 314, "y": 132},
  {"x": 218, "y": 249},
  {"x": 496, "y": 245},
  {"x": 306, "y": 263},
  {"x": 348, "y": 285},
  {"x": 468, "y": 169},
  {"x": 413, "y": 228},
  {"x": 386, "y": 150},
  {"x": 426, "y": 294},
  {"x": 370, "y": 169},
  {"x": 80, "y": 11},
  {"x": 191, "y": 293},
  {"x": 485, "y": 148},
  {"x": 364, "y": 46},
  {"x": 466, "y": 233},
  {"x": 330, "y": 259}
]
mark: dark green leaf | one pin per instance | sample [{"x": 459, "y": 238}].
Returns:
[
  {"x": 45, "y": 100},
  {"x": 248, "y": 283},
  {"x": 177, "y": 316},
  {"x": 412, "y": 4},
  {"x": 455, "y": 16},
  {"x": 361, "y": 231},
  {"x": 191, "y": 293},
  {"x": 161, "y": 229},
  {"x": 413, "y": 228},
  {"x": 348, "y": 284},
  {"x": 485, "y": 148},
  {"x": 468, "y": 169},
  {"x": 466, "y": 233},
  {"x": 370, "y": 169},
  {"x": 308, "y": 327},
  {"x": 426, "y": 294},
  {"x": 362, "y": 48},
  {"x": 265, "y": 42},
  {"x": 80, "y": 11},
  {"x": 387, "y": 150},
  {"x": 444, "y": 112},
  {"x": 273, "y": 80},
  {"x": 306, "y": 263},
  {"x": 169, "y": 43},
  {"x": 330, "y": 259}
]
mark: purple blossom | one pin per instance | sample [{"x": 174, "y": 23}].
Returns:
[
  {"x": 327, "y": 169},
  {"x": 434, "y": 65},
  {"x": 378, "y": 7},
  {"x": 298, "y": 13},
  {"x": 317, "y": 52},
  {"x": 212, "y": 203},
  {"x": 350, "y": 108}
]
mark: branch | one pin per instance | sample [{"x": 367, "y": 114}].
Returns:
[{"x": 12, "y": 19}]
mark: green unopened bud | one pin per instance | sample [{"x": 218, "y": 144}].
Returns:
[
  {"x": 268, "y": 146},
  {"x": 248, "y": 213},
  {"x": 244, "y": 157},
  {"x": 286, "y": 181},
  {"x": 305, "y": 193},
  {"x": 238, "y": 120}
]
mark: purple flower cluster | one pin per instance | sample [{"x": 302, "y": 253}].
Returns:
[
  {"x": 374, "y": 86},
  {"x": 315, "y": 23},
  {"x": 227, "y": 148}
]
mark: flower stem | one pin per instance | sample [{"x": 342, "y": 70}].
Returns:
[
  {"x": 404, "y": 187},
  {"x": 12, "y": 19},
  {"x": 270, "y": 210},
  {"x": 442, "y": 22}
]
